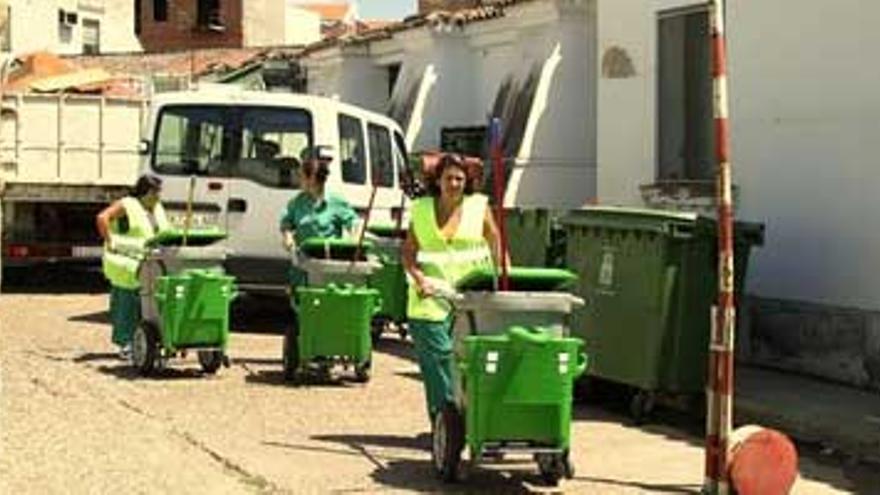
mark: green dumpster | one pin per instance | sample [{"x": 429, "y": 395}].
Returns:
[
  {"x": 649, "y": 279},
  {"x": 334, "y": 324},
  {"x": 535, "y": 237},
  {"x": 519, "y": 386},
  {"x": 389, "y": 280}
]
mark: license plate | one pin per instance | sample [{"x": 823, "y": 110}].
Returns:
[
  {"x": 87, "y": 251},
  {"x": 198, "y": 220}
]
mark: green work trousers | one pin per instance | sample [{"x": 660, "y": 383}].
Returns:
[
  {"x": 125, "y": 313},
  {"x": 433, "y": 345}
]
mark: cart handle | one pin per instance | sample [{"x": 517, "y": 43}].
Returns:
[
  {"x": 582, "y": 364},
  {"x": 524, "y": 334}
]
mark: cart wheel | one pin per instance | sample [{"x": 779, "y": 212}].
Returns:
[
  {"x": 377, "y": 328},
  {"x": 641, "y": 406},
  {"x": 145, "y": 348},
  {"x": 290, "y": 353},
  {"x": 362, "y": 372},
  {"x": 447, "y": 443},
  {"x": 553, "y": 467},
  {"x": 210, "y": 361}
]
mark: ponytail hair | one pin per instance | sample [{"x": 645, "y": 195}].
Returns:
[{"x": 145, "y": 185}]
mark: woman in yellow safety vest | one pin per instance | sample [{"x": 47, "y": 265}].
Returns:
[
  {"x": 451, "y": 233},
  {"x": 126, "y": 226}
]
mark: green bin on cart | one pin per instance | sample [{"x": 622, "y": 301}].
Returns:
[
  {"x": 649, "y": 279},
  {"x": 185, "y": 299},
  {"x": 334, "y": 309},
  {"x": 389, "y": 280}
]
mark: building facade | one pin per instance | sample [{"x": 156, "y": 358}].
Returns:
[
  {"x": 68, "y": 26},
  {"x": 164, "y": 25}
]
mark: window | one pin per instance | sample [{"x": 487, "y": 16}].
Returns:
[
  {"x": 351, "y": 150},
  {"x": 685, "y": 134},
  {"x": 253, "y": 143},
  {"x": 393, "y": 75},
  {"x": 137, "y": 16},
  {"x": 381, "y": 162},
  {"x": 208, "y": 14},
  {"x": 5, "y": 27},
  {"x": 160, "y": 10},
  {"x": 91, "y": 37}
]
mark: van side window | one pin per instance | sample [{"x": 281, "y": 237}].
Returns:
[
  {"x": 351, "y": 150},
  {"x": 381, "y": 163}
]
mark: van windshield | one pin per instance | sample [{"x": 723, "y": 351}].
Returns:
[{"x": 261, "y": 144}]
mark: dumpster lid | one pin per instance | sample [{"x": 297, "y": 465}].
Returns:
[
  {"x": 195, "y": 237},
  {"x": 521, "y": 279},
  {"x": 334, "y": 248}
]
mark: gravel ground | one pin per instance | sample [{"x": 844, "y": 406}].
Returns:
[{"x": 74, "y": 419}]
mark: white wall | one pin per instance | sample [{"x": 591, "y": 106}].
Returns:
[
  {"x": 301, "y": 26},
  {"x": 804, "y": 110},
  {"x": 34, "y": 26}
]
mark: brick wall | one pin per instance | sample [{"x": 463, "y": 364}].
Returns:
[
  {"x": 426, "y": 6},
  {"x": 180, "y": 31}
]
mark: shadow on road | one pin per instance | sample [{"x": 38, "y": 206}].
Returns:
[
  {"x": 421, "y": 441},
  {"x": 97, "y": 318},
  {"x": 127, "y": 372},
  {"x": 54, "y": 279},
  {"x": 646, "y": 487}
]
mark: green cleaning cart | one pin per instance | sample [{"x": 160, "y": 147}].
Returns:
[
  {"x": 514, "y": 371},
  {"x": 334, "y": 310},
  {"x": 389, "y": 280},
  {"x": 185, "y": 298}
]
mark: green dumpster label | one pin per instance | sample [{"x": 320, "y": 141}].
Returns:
[{"x": 606, "y": 270}]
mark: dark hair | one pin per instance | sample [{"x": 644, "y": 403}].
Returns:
[
  {"x": 446, "y": 161},
  {"x": 317, "y": 169},
  {"x": 145, "y": 185}
]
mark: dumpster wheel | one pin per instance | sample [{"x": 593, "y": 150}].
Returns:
[
  {"x": 290, "y": 356},
  {"x": 447, "y": 442},
  {"x": 378, "y": 325},
  {"x": 210, "y": 360},
  {"x": 554, "y": 467},
  {"x": 641, "y": 406},
  {"x": 362, "y": 372},
  {"x": 145, "y": 348}
]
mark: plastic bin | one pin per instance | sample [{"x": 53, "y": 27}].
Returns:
[
  {"x": 185, "y": 299},
  {"x": 334, "y": 322},
  {"x": 649, "y": 278},
  {"x": 535, "y": 237},
  {"x": 519, "y": 387},
  {"x": 328, "y": 261},
  {"x": 194, "y": 308}
]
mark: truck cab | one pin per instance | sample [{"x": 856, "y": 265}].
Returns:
[{"x": 232, "y": 156}]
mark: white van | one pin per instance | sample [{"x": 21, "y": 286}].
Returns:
[{"x": 213, "y": 136}]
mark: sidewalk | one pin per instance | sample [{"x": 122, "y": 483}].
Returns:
[{"x": 810, "y": 410}]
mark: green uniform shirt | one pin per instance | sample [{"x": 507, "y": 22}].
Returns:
[{"x": 308, "y": 217}]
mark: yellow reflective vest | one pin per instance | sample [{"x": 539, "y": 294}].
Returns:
[
  {"x": 123, "y": 254},
  {"x": 446, "y": 261}
]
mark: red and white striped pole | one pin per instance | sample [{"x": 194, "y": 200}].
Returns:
[{"x": 719, "y": 389}]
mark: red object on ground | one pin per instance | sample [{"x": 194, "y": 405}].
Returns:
[{"x": 763, "y": 462}]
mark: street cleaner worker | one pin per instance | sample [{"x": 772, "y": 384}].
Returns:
[
  {"x": 126, "y": 226},
  {"x": 451, "y": 232},
  {"x": 314, "y": 212}
]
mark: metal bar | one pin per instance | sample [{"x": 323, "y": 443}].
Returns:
[
  {"x": 720, "y": 379},
  {"x": 101, "y": 109},
  {"x": 60, "y": 142}
]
